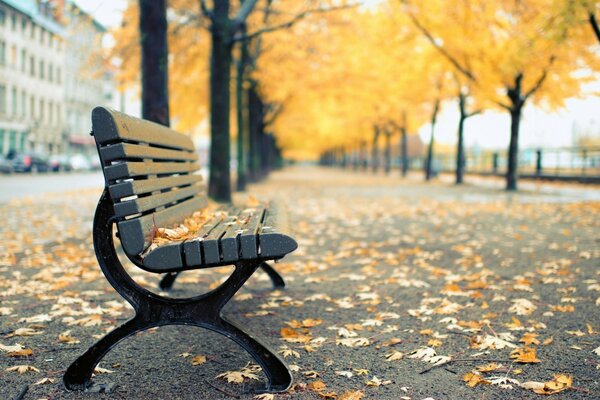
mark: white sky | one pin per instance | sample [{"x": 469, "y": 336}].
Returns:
[{"x": 488, "y": 130}]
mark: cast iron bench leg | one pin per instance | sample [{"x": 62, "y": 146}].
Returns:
[
  {"x": 166, "y": 283},
  {"x": 153, "y": 310}
]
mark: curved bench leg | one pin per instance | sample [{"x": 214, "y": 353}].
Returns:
[
  {"x": 79, "y": 373},
  {"x": 166, "y": 283},
  {"x": 276, "y": 278},
  {"x": 278, "y": 374}
]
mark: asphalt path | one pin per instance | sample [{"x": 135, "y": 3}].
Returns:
[{"x": 16, "y": 186}]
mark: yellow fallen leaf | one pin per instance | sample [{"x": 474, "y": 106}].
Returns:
[
  {"x": 524, "y": 355},
  {"x": 45, "y": 381},
  {"x": 316, "y": 386},
  {"x": 198, "y": 360},
  {"x": 66, "y": 337},
  {"x": 20, "y": 353},
  {"x": 24, "y": 332},
  {"x": 352, "y": 395},
  {"x": 472, "y": 379}
]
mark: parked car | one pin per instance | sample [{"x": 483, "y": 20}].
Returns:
[
  {"x": 5, "y": 166},
  {"x": 79, "y": 162},
  {"x": 60, "y": 162},
  {"x": 29, "y": 162}
]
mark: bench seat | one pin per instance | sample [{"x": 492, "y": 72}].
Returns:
[{"x": 254, "y": 233}]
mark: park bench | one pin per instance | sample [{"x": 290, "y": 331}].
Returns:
[{"x": 151, "y": 182}]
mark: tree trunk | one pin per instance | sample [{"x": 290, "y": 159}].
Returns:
[
  {"x": 254, "y": 123},
  {"x": 375, "y": 150},
  {"x": 388, "y": 152},
  {"x": 404, "y": 145},
  {"x": 429, "y": 160},
  {"x": 517, "y": 102},
  {"x": 460, "y": 148},
  {"x": 513, "y": 149},
  {"x": 219, "y": 184},
  {"x": 242, "y": 120},
  {"x": 155, "y": 61}
]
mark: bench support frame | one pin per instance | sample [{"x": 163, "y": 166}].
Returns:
[
  {"x": 166, "y": 283},
  {"x": 152, "y": 310}
]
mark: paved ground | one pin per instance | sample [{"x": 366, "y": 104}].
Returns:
[{"x": 391, "y": 276}]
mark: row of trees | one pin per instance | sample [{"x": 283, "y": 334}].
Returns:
[{"x": 325, "y": 74}]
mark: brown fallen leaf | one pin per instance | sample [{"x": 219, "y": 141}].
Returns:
[
  {"x": 24, "y": 332},
  {"x": 198, "y": 360},
  {"x": 45, "y": 381},
  {"x": 66, "y": 337}
]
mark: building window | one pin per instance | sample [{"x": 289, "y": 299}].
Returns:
[
  {"x": 42, "y": 106},
  {"x": 1, "y": 141},
  {"x": 31, "y": 66},
  {"x": 42, "y": 70},
  {"x": 23, "y": 60},
  {"x": 13, "y": 21},
  {"x": 13, "y": 56},
  {"x": 50, "y": 72},
  {"x": 23, "y": 103},
  {"x": 14, "y": 101},
  {"x": 58, "y": 75},
  {"x": 32, "y": 107},
  {"x": 23, "y": 25},
  {"x": 50, "y": 112},
  {"x": 2, "y": 99},
  {"x": 2, "y": 20}
]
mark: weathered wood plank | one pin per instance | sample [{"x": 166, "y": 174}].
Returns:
[
  {"x": 132, "y": 169},
  {"x": 142, "y": 186},
  {"x": 152, "y": 202},
  {"x": 119, "y": 151}
]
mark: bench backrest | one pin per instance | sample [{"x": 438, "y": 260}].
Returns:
[{"x": 149, "y": 171}]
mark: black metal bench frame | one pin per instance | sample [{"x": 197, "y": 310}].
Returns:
[{"x": 153, "y": 310}]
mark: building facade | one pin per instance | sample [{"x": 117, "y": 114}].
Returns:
[{"x": 46, "y": 88}]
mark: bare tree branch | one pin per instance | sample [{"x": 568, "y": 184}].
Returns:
[
  {"x": 245, "y": 10},
  {"x": 292, "y": 21},
  {"x": 462, "y": 69},
  {"x": 594, "y": 23},
  {"x": 540, "y": 81},
  {"x": 205, "y": 11}
]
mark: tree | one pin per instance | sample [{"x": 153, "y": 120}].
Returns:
[
  {"x": 154, "y": 61},
  {"x": 529, "y": 50}
]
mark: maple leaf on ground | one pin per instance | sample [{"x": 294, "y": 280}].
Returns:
[
  {"x": 24, "y": 332},
  {"x": 198, "y": 360},
  {"x": 375, "y": 381},
  {"x": 21, "y": 369},
  {"x": 45, "y": 381},
  {"x": 522, "y": 307},
  {"x": 524, "y": 355},
  {"x": 503, "y": 381},
  {"x": 558, "y": 384},
  {"x": 473, "y": 379},
  {"x": 494, "y": 343},
  {"x": 347, "y": 374},
  {"x": 530, "y": 338},
  {"x": 287, "y": 352},
  {"x": 293, "y": 336},
  {"x": 489, "y": 367},
  {"x": 66, "y": 337},
  {"x": 596, "y": 350},
  {"x": 16, "y": 347},
  {"x": 317, "y": 386},
  {"x": 352, "y": 395},
  {"x": 265, "y": 396},
  {"x": 394, "y": 355},
  {"x": 100, "y": 370},
  {"x": 353, "y": 342},
  {"x": 20, "y": 353}
]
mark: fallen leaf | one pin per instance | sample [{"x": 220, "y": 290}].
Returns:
[
  {"x": 473, "y": 379},
  {"x": 198, "y": 360},
  {"x": 524, "y": 355},
  {"x": 21, "y": 369}
]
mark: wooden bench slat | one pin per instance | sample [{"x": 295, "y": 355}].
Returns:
[
  {"x": 143, "y": 186},
  {"x": 110, "y": 126},
  {"x": 248, "y": 238},
  {"x": 132, "y": 169},
  {"x": 217, "y": 250},
  {"x": 136, "y": 233},
  {"x": 274, "y": 239},
  {"x": 143, "y": 204},
  {"x": 120, "y": 151}
]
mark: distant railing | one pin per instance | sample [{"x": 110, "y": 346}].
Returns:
[{"x": 571, "y": 163}]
